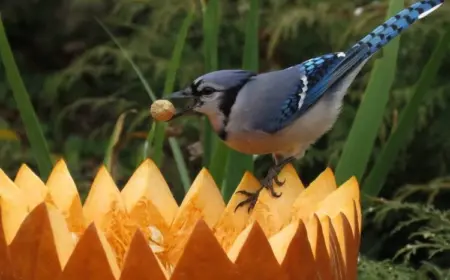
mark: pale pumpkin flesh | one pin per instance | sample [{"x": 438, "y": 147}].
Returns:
[{"x": 141, "y": 232}]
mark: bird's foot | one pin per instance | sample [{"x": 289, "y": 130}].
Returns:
[
  {"x": 266, "y": 183},
  {"x": 252, "y": 198},
  {"x": 272, "y": 176}
]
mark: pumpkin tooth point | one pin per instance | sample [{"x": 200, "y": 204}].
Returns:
[{"x": 141, "y": 231}]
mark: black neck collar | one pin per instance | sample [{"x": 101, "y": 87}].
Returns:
[{"x": 227, "y": 102}]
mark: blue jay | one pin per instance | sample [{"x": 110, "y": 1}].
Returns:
[{"x": 283, "y": 112}]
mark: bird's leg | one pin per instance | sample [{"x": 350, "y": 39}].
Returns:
[
  {"x": 272, "y": 175},
  {"x": 266, "y": 183}
]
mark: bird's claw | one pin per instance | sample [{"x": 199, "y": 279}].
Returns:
[
  {"x": 252, "y": 198},
  {"x": 266, "y": 183},
  {"x": 278, "y": 182}
]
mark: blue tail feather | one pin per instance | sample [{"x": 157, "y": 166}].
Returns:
[
  {"x": 320, "y": 74},
  {"x": 391, "y": 28}
]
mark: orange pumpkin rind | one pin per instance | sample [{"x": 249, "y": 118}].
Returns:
[{"x": 141, "y": 232}]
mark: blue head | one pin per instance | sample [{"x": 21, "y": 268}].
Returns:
[{"x": 214, "y": 93}]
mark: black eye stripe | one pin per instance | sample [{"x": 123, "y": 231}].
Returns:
[
  {"x": 206, "y": 90},
  {"x": 194, "y": 89}
]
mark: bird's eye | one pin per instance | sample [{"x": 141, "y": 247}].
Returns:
[{"x": 208, "y": 90}]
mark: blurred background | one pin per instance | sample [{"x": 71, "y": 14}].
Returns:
[{"x": 91, "y": 67}]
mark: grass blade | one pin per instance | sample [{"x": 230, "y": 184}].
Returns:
[
  {"x": 211, "y": 27},
  {"x": 148, "y": 142},
  {"x": 181, "y": 165},
  {"x": 220, "y": 155},
  {"x": 238, "y": 163},
  {"x": 362, "y": 136},
  {"x": 211, "y": 23},
  {"x": 208, "y": 138},
  {"x": 160, "y": 129},
  {"x": 397, "y": 140},
  {"x": 215, "y": 151},
  {"x": 27, "y": 113},
  {"x": 128, "y": 58},
  {"x": 114, "y": 140},
  {"x": 251, "y": 46},
  {"x": 169, "y": 83}
]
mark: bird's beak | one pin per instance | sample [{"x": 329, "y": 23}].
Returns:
[
  {"x": 185, "y": 96},
  {"x": 180, "y": 95}
]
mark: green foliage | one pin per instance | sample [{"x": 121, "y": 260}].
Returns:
[
  {"x": 238, "y": 163},
  {"x": 128, "y": 58},
  {"x": 362, "y": 136},
  {"x": 427, "y": 227},
  {"x": 375, "y": 180},
  {"x": 374, "y": 270},
  {"x": 115, "y": 138},
  {"x": 170, "y": 83},
  {"x": 27, "y": 113},
  {"x": 215, "y": 151},
  {"x": 156, "y": 132},
  {"x": 182, "y": 168}
]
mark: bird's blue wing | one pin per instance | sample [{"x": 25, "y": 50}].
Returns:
[
  {"x": 311, "y": 73},
  {"x": 325, "y": 71},
  {"x": 316, "y": 76}
]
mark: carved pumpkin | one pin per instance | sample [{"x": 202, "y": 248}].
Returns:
[{"x": 141, "y": 232}]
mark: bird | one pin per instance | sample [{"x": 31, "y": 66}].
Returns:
[{"x": 283, "y": 112}]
